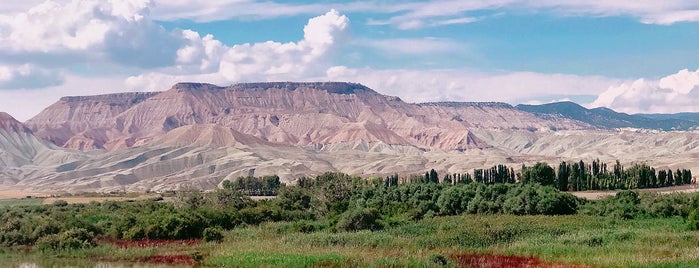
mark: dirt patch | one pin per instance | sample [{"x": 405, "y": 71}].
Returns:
[
  {"x": 258, "y": 198},
  {"x": 85, "y": 200},
  {"x": 13, "y": 194},
  {"x": 477, "y": 260},
  {"x": 596, "y": 195}
]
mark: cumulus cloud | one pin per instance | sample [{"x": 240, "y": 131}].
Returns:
[
  {"x": 264, "y": 61},
  {"x": 117, "y": 31},
  {"x": 671, "y": 94},
  {"x": 200, "y": 54}
]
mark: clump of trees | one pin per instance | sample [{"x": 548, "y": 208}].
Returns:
[
  {"x": 581, "y": 176},
  {"x": 255, "y": 186}
]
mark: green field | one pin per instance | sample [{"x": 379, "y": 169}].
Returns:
[{"x": 13, "y": 202}]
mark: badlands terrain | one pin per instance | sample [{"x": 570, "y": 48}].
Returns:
[{"x": 196, "y": 135}]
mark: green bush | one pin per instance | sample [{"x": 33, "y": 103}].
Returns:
[
  {"x": 75, "y": 238},
  {"x": 213, "y": 234},
  {"x": 360, "y": 219},
  {"x": 60, "y": 203}
]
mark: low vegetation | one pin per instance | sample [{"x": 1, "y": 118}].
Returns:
[{"x": 340, "y": 220}]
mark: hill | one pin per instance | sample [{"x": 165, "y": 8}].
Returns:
[{"x": 607, "y": 118}]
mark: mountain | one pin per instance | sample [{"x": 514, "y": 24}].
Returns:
[
  {"x": 196, "y": 135},
  {"x": 607, "y": 118},
  {"x": 692, "y": 117},
  {"x": 299, "y": 114},
  {"x": 22, "y": 153}
]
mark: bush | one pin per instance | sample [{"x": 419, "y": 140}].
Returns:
[
  {"x": 213, "y": 234},
  {"x": 60, "y": 203},
  {"x": 360, "y": 219},
  {"x": 75, "y": 238},
  {"x": 439, "y": 260}
]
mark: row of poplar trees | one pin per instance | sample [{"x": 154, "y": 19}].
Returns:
[{"x": 576, "y": 176}]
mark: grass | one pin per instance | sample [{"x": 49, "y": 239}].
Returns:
[
  {"x": 587, "y": 240},
  {"x": 15, "y": 202},
  {"x": 563, "y": 240}
]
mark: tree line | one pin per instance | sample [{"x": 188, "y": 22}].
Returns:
[{"x": 575, "y": 176}]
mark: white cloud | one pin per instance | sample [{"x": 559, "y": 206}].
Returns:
[
  {"x": 265, "y": 61},
  {"x": 412, "y": 45},
  {"x": 26, "y": 103},
  {"x": 463, "y": 20},
  {"x": 115, "y": 31},
  {"x": 674, "y": 93},
  {"x": 406, "y": 14},
  {"x": 11, "y": 7},
  {"x": 27, "y": 76},
  {"x": 469, "y": 85},
  {"x": 202, "y": 54}
]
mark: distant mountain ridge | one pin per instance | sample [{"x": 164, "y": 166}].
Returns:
[
  {"x": 608, "y": 118},
  {"x": 290, "y": 113}
]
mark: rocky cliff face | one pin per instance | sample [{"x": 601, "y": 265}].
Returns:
[
  {"x": 301, "y": 114},
  {"x": 84, "y": 123}
]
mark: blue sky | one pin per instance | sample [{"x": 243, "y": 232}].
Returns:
[
  {"x": 632, "y": 56},
  {"x": 543, "y": 42}
]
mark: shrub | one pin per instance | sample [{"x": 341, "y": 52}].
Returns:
[
  {"x": 439, "y": 260},
  {"x": 75, "y": 238},
  {"x": 360, "y": 219},
  {"x": 213, "y": 234},
  {"x": 60, "y": 203}
]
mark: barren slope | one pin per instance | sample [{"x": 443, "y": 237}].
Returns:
[{"x": 22, "y": 154}]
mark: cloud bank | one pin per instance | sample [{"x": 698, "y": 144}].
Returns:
[{"x": 671, "y": 94}]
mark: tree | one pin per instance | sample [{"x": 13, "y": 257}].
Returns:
[
  {"x": 433, "y": 176},
  {"x": 540, "y": 173},
  {"x": 563, "y": 174}
]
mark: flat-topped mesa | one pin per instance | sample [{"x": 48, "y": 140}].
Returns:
[
  {"x": 457, "y": 104},
  {"x": 9, "y": 123},
  {"x": 129, "y": 98},
  {"x": 330, "y": 87},
  {"x": 190, "y": 87}
]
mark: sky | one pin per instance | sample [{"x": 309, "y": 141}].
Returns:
[{"x": 634, "y": 56}]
